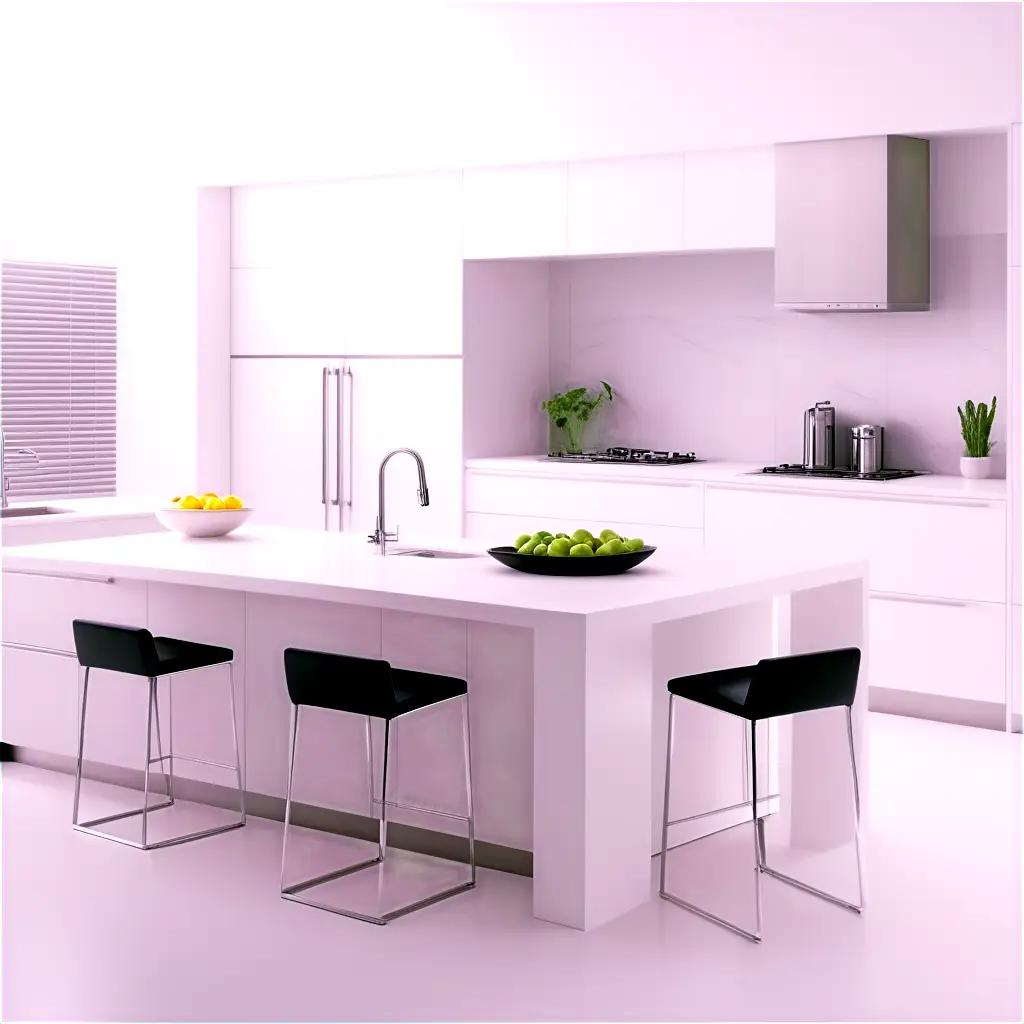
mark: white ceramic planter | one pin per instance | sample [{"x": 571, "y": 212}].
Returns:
[{"x": 975, "y": 467}]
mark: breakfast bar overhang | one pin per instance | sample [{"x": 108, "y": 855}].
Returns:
[{"x": 598, "y": 712}]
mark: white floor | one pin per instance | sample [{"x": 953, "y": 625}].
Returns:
[{"x": 97, "y": 931}]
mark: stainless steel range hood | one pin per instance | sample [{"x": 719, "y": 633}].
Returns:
[{"x": 851, "y": 225}]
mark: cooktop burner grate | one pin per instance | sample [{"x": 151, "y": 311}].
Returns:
[
  {"x": 841, "y": 472},
  {"x": 628, "y": 457}
]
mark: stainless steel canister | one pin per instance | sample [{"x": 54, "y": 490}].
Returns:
[
  {"x": 820, "y": 436},
  {"x": 866, "y": 447}
]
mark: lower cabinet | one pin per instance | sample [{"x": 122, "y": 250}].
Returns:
[
  {"x": 938, "y": 618},
  {"x": 39, "y": 701},
  {"x": 40, "y": 672},
  {"x": 946, "y": 648}
]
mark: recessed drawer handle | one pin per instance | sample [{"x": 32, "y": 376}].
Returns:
[
  {"x": 904, "y": 499},
  {"x": 945, "y": 602},
  {"x": 38, "y": 650},
  {"x": 60, "y": 575}
]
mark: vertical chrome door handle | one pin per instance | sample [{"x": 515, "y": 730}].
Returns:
[
  {"x": 339, "y": 461},
  {"x": 347, "y": 371},
  {"x": 323, "y": 440}
]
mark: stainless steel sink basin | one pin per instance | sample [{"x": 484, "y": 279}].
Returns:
[
  {"x": 433, "y": 553},
  {"x": 30, "y": 510}
]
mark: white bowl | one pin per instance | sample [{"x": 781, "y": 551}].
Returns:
[{"x": 198, "y": 522}]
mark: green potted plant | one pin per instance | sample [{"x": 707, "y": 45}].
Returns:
[
  {"x": 571, "y": 410},
  {"x": 975, "y": 426}
]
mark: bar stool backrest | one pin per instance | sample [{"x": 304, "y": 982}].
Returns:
[
  {"x": 338, "y": 681},
  {"x": 118, "y": 648},
  {"x": 804, "y": 682}
]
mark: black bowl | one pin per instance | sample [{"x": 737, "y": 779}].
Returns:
[{"x": 546, "y": 565}]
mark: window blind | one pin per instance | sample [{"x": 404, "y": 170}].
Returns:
[{"x": 58, "y": 378}]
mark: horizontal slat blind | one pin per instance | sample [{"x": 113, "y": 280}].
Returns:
[{"x": 58, "y": 378}]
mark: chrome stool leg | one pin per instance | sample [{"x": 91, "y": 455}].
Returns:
[
  {"x": 292, "y": 892},
  {"x": 754, "y": 936},
  {"x": 153, "y": 711},
  {"x": 855, "y": 908},
  {"x": 467, "y": 754},
  {"x": 295, "y": 892},
  {"x": 160, "y": 759},
  {"x": 234, "y": 743},
  {"x": 84, "y": 672},
  {"x": 149, "y": 758},
  {"x": 382, "y": 833}
]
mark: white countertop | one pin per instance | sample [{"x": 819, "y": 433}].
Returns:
[
  {"x": 739, "y": 474},
  {"x": 81, "y": 510},
  {"x": 344, "y": 568}
]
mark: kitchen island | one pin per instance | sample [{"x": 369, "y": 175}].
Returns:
[{"x": 592, "y": 683}]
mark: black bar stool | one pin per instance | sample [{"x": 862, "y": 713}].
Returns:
[
  {"x": 137, "y": 652},
  {"x": 372, "y": 688},
  {"x": 771, "y": 688}
]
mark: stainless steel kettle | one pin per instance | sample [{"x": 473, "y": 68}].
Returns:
[{"x": 820, "y": 436}]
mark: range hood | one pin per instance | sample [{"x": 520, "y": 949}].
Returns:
[{"x": 851, "y": 225}]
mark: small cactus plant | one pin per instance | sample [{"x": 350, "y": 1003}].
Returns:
[{"x": 976, "y": 425}]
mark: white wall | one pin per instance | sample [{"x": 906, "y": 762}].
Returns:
[
  {"x": 704, "y": 361},
  {"x": 251, "y": 90}
]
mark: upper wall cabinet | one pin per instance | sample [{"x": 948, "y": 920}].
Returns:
[
  {"x": 370, "y": 266},
  {"x": 515, "y": 212},
  {"x": 625, "y": 206},
  {"x": 729, "y": 199}
]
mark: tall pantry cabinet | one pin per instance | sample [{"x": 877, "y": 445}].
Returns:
[{"x": 346, "y": 340}]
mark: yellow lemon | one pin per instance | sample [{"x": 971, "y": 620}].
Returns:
[
  {"x": 191, "y": 501},
  {"x": 233, "y": 501},
  {"x": 213, "y": 504}
]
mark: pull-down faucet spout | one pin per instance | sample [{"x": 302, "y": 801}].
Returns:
[{"x": 380, "y": 535}]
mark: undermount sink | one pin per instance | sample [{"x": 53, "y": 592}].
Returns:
[
  {"x": 433, "y": 553},
  {"x": 31, "y": 510}
]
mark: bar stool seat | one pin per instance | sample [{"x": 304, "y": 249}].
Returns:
[
  {"x": 725, "y": 690},
  {"x": 371, "y": 688},
  {"x": 135, "y": 651},
  {"x": 364, "y": 686},
  {"x": 185, "y": 655},
  {"x": 770, "y": 689}
]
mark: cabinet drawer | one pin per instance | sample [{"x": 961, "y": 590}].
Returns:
[
  {"x": 586, "y": 501},
  {"x": 948, "y": 649},
  {"x": 38, "y": 608},
  {"x": 494, "y": 530},
  {"x": 925, "y": 548},
  {"x": 938, "y": 549},
  {"x": 40, "y": 701}
]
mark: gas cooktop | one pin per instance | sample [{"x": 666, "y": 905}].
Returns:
[
  {"x": 842, "y": 472},
  {"x": 628, "y": 457}
]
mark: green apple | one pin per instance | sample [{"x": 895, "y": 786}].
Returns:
[
  {"x": 559, "y": 547},
  {"x": 581, "y": 551},
  {"x": 635, "y": 544},
  {"x": 521, "y": 540},
  {"x": 541, "y": 549},
  {"x": 611, "y": 547}
]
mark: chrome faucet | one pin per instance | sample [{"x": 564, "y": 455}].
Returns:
[
  {"x": 380, "y": 535},
  {"x": 5, "y": 481}
]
